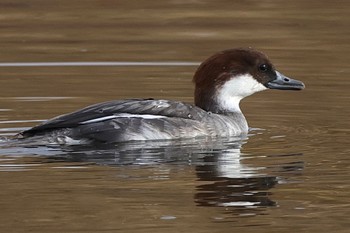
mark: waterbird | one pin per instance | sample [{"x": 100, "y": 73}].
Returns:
[{"x": 221, "y": 82}]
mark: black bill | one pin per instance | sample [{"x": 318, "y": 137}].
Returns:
[{"x": 284, "y": 83}]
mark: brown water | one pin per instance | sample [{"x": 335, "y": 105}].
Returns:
[{"x": 291, "y": 176}]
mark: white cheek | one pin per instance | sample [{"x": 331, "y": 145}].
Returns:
[
  {"x": 237, "y": 88},
  {"x": 242, "y": 86}
]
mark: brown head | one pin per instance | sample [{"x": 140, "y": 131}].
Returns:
[{"x": 225, "y": 78}]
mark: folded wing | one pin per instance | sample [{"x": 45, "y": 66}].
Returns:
[{"x": 97, "y": 114}]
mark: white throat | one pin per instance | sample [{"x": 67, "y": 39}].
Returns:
[{"x": 233, "y": 91}]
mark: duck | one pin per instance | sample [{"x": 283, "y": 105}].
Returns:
[{"x": 221, "y": 82}]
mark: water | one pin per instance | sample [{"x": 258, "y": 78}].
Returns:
[{"x": 289, "y": 175}]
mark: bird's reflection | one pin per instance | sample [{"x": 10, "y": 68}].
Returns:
[
  {"x": 225, "y": 177},
  {"x": 233, "y": 184}
]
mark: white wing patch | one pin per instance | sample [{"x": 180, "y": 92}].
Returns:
[
  {"x": 122, "y": 115},
  {"x": 98, "y": 119},
  {"x": 144, "y": 116}
]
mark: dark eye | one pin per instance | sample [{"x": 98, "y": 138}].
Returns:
[{"x": 264, "y": 67}]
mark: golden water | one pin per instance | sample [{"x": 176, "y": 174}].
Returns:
[{"x": 292, "y": 176}]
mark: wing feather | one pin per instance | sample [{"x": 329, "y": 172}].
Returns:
[{"x": 173, "y": 109}]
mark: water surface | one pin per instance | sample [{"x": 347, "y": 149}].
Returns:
[{"x": 291, "y": 174}]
